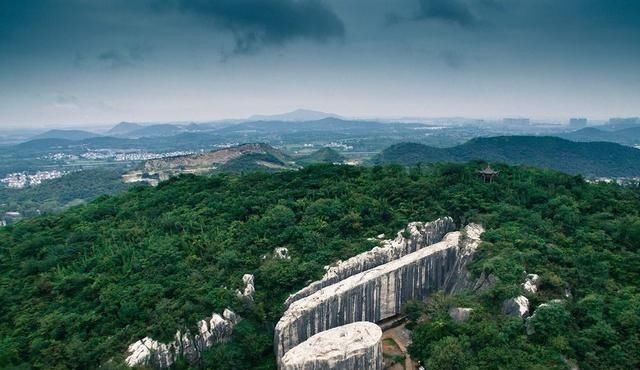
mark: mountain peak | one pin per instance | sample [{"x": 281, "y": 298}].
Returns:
[{"x": 296, "y": 115}]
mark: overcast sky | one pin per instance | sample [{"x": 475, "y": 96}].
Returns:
[{"x": 65, "y": 62}]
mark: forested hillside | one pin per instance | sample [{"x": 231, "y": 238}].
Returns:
[
  {"x": 588, "y": 159},
  {"x": 55, "y": 195},
  {"x": 76, "y": 288}
]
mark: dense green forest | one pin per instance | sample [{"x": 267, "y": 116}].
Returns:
[
  {"x": 590, "y": 159},
  {"x": 77, "y": 287}
]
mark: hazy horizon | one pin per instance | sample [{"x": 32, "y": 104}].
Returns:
[{"x": 80, "y": 64}]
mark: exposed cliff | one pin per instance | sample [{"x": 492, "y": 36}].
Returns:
[
  {"x": 420, "y": 234},
  {"x": 380, "y": 292},
  {"x": 352, "y": 346}
]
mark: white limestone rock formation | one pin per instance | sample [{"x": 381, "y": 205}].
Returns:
[
  {"x": 460, "y": 314},
  {"x": 150, "y": 352},
  {"x": 147, "y": 351},
  {"x": 353, "y": 346},
  {"x": 281, "y": 253},
  {"x": 531, "y": 284},
  {"x": 377, "y": 293},
  {"x": 249, "y": 289},
  {"x": 518, "y": 306},
  {"x": 420, "y": 235}
]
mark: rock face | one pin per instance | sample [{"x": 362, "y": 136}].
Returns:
[
  {"x": 352, "y": 346},
  {"x": 518, "y": 306},
  {"x": 420, "y": 235},
  {"x": 149, "y": 352},
  {"x": 379, "y": 292}
]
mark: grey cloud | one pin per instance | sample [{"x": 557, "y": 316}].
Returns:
[
  {"x": 121, "y": 58},
  {"x": 258, "y": 23}
]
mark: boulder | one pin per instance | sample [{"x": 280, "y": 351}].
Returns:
[
  {"x": 353, "y": 346},
  {"x": 518, "y": 306},
  {"x": 531, "y": 284}
]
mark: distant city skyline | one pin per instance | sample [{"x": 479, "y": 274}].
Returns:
[{"x": 79, "y": 63}]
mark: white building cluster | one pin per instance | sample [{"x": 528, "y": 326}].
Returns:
[{"x": 20, "y": 180}]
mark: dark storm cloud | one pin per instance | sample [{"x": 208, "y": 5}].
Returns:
[
  {"x": 451, "y": 11},
  {"x": 258, "y": 23}
]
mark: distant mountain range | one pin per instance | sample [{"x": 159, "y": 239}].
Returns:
[
  {"x": 626, "y": 136},
  {"x": 124, "y": 128},
  {"x": 66, "y": 135},
  {"x": 136, "y": 130},
  {"x": 298, "y": 115},
  {"x": 590, "y": 158}
]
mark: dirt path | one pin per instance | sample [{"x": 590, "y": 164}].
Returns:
[{"x": 402, "y": 338}]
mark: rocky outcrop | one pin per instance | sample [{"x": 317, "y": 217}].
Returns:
[
  {"x": 379, "y": 292},
  {"x": 353, "y": 346},
  {"x": 249, "y": 288},
  {"x": 281, "y": 253},
  {"x": 518, "y": 306},
  {"x": 417, "y": 235},
  {"x": 460, "y": 314},
  {"x": 531, "y": 284},
  {"x": 485, "y": 282},
  {"x": 149, "y": 352}
]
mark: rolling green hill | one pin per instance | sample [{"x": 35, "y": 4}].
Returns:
[
  {"x": 588, "y": 159},
  {"x": 324, "y": 155}
]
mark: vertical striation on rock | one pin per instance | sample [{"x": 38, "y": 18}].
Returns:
[
  {"x": 379, "y": 292},
  {"x": 353, "y": 346},
  {"x": 420, "y": 235}
]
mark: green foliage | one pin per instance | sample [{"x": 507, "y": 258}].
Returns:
[
  {"x": 76, "y": 288},
  {"x": 324, "y": 155},
  {"x": 588, "y": 159},
  {"x": 55, "y": 195}
]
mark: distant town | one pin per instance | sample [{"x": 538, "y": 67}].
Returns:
[{"x": 21, "y": 180}]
